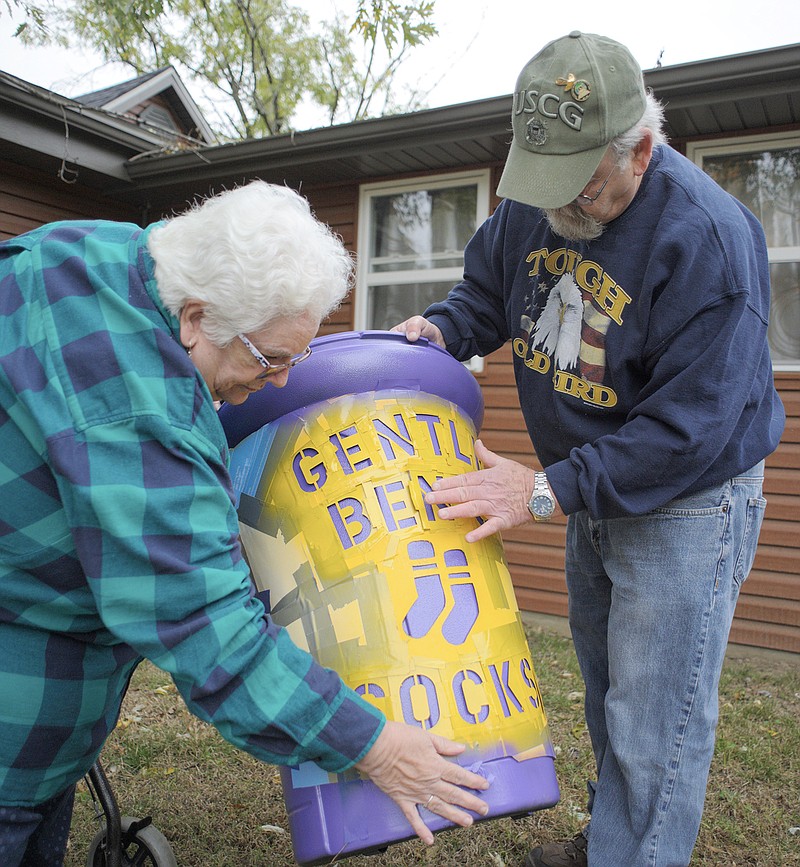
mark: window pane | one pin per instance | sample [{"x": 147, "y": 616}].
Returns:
[
  {"x": 391, "y": 304},
  {"x": 784, "y": 317},
  {"x": 768, "y": 183},
  {"x": 422, "y": 228}
]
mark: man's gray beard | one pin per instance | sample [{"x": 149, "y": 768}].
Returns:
[{"x": 573, "y": 223}]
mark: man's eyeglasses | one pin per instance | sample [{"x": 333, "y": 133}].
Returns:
[
  {"x": 588, "y": 200},
  {"x": 271, "y": 367}
]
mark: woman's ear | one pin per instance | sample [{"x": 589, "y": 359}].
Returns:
[{"x": 191, "y": 318}]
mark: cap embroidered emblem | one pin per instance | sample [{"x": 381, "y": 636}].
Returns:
[{"x": 536, "y": 131}]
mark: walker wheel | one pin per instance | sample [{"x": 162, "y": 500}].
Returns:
[{"x": 146, "y": 846}]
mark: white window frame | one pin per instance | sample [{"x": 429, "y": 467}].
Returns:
[
  {"x": 367, "y": 192},
  {"x": 696, "y": 151}
]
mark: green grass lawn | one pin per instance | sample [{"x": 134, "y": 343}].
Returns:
[{"x": 221, "y": 808}]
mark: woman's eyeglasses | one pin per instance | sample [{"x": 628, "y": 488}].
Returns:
[{"x": 271, "y": 367}]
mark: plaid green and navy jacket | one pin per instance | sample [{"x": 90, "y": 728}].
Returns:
[{"x": 118, "y": 533}]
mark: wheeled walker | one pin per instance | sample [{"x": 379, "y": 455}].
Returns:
[{"x": 123, "y": 841}]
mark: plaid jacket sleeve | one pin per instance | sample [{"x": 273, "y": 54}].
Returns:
[{"x": 156, "y": 534}]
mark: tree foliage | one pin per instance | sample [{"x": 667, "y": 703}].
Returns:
[
  {"x": 33, "y": 20},
  {"x": 258, "y": 61}
]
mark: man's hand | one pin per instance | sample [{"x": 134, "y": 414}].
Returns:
[
  {"x": 409, "y": 765},
  {"x": 418, "y": 326},
  {"x": 499, "y": 493}
]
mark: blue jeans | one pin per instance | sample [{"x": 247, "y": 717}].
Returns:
[
  {"x": 651, "y": 600},
  {"x": 36, "y": 836}
]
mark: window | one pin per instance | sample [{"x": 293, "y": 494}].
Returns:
[
  {"x": 763, "y": 172},
  {"x": 411, "y": 243}
]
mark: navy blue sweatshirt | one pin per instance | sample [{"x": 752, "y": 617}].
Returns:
[{"x": 641, "y": 358}]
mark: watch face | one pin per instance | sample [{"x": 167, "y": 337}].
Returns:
[{"x": 542, "y": 506}]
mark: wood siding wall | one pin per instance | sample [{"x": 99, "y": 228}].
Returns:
[
  {"x": 338, "y": 207},
  {"x": 768, "y": 614},
  {"x": 29, "y": 198}
]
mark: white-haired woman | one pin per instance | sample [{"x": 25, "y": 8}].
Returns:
[{"x": 119, "y": 534}]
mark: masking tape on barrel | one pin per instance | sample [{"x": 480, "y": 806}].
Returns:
[{"x": 374, "y": 583}]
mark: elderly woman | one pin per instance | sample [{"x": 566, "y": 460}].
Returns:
[{"x": 118, "y": 535}]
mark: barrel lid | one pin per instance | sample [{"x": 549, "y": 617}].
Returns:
[{"x": 354, "y": 362}]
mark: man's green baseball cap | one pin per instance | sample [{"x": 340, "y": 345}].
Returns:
[{"x": 571, "y": 100}]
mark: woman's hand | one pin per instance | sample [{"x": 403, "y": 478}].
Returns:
[
  {"x": 418, "y": 326},
  {"x": 409, "y": 765}
]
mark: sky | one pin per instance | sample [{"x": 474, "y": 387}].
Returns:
[{"x": 483, "y": 44}]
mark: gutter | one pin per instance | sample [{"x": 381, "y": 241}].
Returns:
[
  {"x": 44, "y": 122},
  {"x": 481, "y": 118}
]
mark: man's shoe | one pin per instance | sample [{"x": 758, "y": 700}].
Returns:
[{"x": 569, "y": 853}]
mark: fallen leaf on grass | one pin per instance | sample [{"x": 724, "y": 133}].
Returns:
[
  {"x": 156, "y": 772},
  {"x": 578, "y": 730},
  {"x": 273, "y": 829}
]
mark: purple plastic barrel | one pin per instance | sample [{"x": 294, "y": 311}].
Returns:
[{"x": 330, "y": 474}]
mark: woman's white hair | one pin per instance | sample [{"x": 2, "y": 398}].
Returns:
[{"x": 253, "y": 254}]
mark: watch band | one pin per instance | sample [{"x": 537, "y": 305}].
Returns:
[{"x": 542, "y": 503}]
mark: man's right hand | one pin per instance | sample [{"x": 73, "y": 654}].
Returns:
[{"x": 418, "y": 326}]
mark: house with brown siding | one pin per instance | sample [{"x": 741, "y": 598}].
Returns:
[{"x": 406, "y": 192}]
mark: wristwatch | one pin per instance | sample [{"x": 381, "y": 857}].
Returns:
[{"x": 542, "y": 503}]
